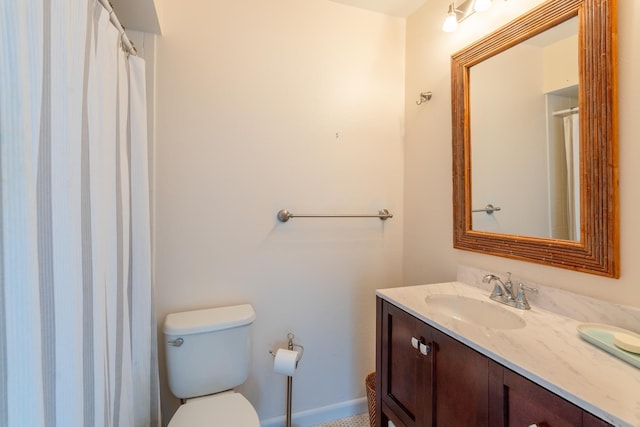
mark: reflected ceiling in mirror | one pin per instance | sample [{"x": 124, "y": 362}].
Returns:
[{"x": 581, "y": 232}]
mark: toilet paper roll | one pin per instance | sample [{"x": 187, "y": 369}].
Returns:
[{"x": 285, "y": 362}]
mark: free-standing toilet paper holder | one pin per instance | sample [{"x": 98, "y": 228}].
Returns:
[{"x": 290, "y": 346}]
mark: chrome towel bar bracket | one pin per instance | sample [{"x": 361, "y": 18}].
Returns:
[{"x": 284, "y": 215}]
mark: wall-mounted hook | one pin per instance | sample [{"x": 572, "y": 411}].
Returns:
[{"x": 424, "y": 97}]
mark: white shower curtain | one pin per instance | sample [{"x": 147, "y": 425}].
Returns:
[
  {"x": 572, "y": 156},
  {"x": 77, "y": 328}
]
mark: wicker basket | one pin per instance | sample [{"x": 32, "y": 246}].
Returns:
[{"x": 370, "y": 384}]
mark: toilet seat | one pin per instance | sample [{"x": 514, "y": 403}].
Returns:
[{"x": 225, "y": 409}]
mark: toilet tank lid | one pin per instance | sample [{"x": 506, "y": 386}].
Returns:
[{"x": 207, "y": 320}]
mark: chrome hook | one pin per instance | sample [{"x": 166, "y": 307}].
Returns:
[{"x": 424, "y": 97}]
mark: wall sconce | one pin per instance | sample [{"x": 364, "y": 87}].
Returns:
[
  {"x": 457, "y": 14},
  {"x": 451, "y": 21}
]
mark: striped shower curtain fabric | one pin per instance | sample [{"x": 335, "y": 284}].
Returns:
[{"x": 77, "y": 327}]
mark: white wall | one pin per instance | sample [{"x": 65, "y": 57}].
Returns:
[
  {"x": 508, "y": 134},
  {"x": 561, "y": 68},
  {"x": 429, "y": 255},
  {"x": 269, "y": 105}
]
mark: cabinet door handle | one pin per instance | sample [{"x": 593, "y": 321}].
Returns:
[
  {"x": 424, "y": 348},
  {"x": 415, "y": 342},
  {"x": 419, "y": 345}
]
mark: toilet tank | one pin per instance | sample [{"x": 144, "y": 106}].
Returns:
[{"x": 208, "y": 351}]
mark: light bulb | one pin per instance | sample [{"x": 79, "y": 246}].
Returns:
[
  {"x": 481, "y": 5},
  {"x": 451, "y": 21}
]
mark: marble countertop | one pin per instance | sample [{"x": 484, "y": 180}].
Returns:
[{"x": 548, "y": 350}]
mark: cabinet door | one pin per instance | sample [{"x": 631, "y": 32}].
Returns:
[
  {"x": 404, "y": 370},
  {"x": 460, "y": 384},
  {"x": 527, "y": 403},
  {"x": 447, "y": 387}
]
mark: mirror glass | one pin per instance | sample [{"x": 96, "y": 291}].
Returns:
[
  {"x": 534, "y": 139},
  {"x": 525, "y": 135}
]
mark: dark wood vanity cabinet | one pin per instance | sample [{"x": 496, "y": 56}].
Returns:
[{"x": 425, "y": 378}]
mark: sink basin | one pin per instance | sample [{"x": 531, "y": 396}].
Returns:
[{"x": 477, "y": 312}]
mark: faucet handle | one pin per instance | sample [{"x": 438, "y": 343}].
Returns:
[{"x": 521, "y": 299}]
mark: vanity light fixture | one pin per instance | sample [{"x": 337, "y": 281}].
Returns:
[
  {"x": 457, "y": 14},
  {"x": 451, "y": 21}
]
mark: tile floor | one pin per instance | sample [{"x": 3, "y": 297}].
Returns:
[{"x": 361, "y": 420}]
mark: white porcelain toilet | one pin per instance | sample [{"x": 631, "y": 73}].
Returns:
[{"x": 208, "y": 354}]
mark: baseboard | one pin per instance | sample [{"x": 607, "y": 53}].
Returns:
[{"x": 324, "y": 414}]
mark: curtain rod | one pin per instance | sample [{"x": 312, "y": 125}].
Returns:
[
  {"x": 572, "y": 110},
  {"x": 127, "y": 44}
]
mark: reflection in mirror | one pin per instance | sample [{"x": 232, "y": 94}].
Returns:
[
  {"x": 574, "y": 198},
  {"x": 524, "y": 135}
]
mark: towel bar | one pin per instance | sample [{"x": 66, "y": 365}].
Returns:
[
  {"x": 489, "y": 209},
  {"x": 284, "y": 215}
]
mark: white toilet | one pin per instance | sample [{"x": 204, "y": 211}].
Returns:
[{"x": 208, "y": 354}]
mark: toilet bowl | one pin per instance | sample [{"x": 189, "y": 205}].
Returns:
[{"x": 229, "y": 409}]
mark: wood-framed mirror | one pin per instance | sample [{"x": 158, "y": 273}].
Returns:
[{"x": 594, "y": 246}]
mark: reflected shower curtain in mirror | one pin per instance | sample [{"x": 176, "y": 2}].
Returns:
[
  {"x": 572, "y": 156},
  {"x": 77, "y": 328}
]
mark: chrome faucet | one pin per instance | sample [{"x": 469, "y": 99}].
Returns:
[{"x": 503, "y": 292}]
